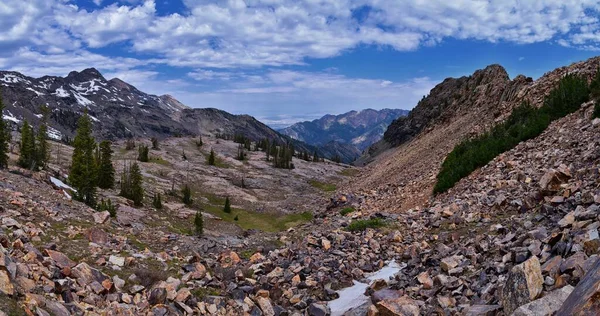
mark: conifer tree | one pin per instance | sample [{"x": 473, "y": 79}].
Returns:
[
  {"x": 106, "y": 171},
  {"x": 27, "y": 157},
  {"x": 143, "y": 153},
  {"x": 227, "y": 207},
  {"x": 137, "y": 191},
  {"x": 154, "y": 141},
  {"x": 156, "y": 201},
  {"x": 211, "y": 158},
  {"x": 42, "y": 152},
  {"x": 199, "y": 223},
  {"x": 83, "y": 170},
  {"x": 187, "y": 195},
  {"x": 4, "y": 139}
]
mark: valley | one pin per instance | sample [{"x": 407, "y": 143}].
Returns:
[{"x": 517, "y": 236}]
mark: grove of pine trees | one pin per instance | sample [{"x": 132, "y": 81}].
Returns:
[
  {"x": 35, "y": 151},
  {"x": 131, "y": 184},
  {"x": 27, "y": 155},
  {"x": 4, "y": 139}
]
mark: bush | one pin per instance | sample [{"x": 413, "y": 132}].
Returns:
[
  {"x": 525, "y": 122},
  {"x": 143, "y": 153},
  {"x": 107, "y": 206},
  {"x": 199, "y": 223},
  {"x": 157, "y": 201},
  {"x": 227, "y": 207},
  {"x": 187, "y": 195},
  {"x": 347, "y": 210},
  {"x": 360, "y": 225}
]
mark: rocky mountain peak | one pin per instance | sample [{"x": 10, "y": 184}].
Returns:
[{"x": 88, "y": 74}]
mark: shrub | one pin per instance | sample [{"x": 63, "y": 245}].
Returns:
[
  {"x": 154, "y": 141},
  {"x": 227, "y": 207},
  {"x": 199, "y": 223},
  {"x": 107, "y": 206},
  {"x": 525, "y": 122},
  {"x": 360, "y": 225},
  {"x": 347, "y": 210},
  {"x": 143, "y": 153},
  {"x": 157, "y": 201},
  {"x": 187, "y": 195}
]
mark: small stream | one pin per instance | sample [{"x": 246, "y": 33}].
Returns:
[{"x": 354, "y": 296}]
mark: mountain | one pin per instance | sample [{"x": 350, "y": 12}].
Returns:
[
  {"x": 359, "y": 129},
  {"x": 118, "y": 109}
]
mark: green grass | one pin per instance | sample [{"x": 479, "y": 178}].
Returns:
[
  {"x": 360, "y": 225},
  {"x": 219, "y": 162},
  {"x": 327, "y": 187},
  {"x": 524, "y": 123},
  {"x": 160, "y": 161},
  {"x": 349, "y": 172},
  {"x": 347, "y": 210},
  {"x": 260, "y": 221},
  {"x": 10, "y": 307}
]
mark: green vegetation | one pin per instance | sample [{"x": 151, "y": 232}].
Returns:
[
  {"x": 27, "y": 156},
  {"x": 361, "y": 225},
  {"x": 4, "y": 139},
  {"x": 327, "y": 187},
  {"x": 129, "y": 144},
  {"x": 227, "y": 207},
  {"x": 107, "y": 206},
  {"x": 525, "y": 122},
  {"x": 187, "y": 195},
  {"x": 199, "y": 223},
  {"x": 267, "y": 222},
  {"x": 106, "y": 171},
  {"x": 349, "y": 172},
  {"x": 131, "y": 184},
  {"x": 160, "y": 161},
  {"x": 143, "y": 153},
  {"x": 83, "y": 170},
  {"x": 211, "y": 158},
  {"x": 42, "y": 150},
  {"x": 347, "y": 210},
  {"x": 157, "y": 201},
  {"x": 154, "y": 141}
]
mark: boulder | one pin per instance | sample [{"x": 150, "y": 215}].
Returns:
[
  {"x": 584, "y": 298},
  {"x": 403, "y": 306},
  {"x": 524, "y": 284},
  {"x": 101, "y": 217},
  {"x": 547, "y": 305}
]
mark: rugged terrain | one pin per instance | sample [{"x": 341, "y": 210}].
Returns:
[
  {"x": 517, "y": 237},
  {"x": 346, "y": 135}
]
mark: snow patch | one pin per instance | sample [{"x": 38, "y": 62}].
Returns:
[
  {"x": 61, "y": 184},
  {"x": 11, "y": 117},
  {"x": 36, "y": 92},
  {"x": 94, "y": 118},
  {"x": 54, "y": 133},
  {"x": 83, "y": 100},
  {"x": 10, "y": 78},
  {"x": 61, "y": 93}
]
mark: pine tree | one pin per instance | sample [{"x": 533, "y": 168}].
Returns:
[
  {"x": 199, "y": 223},
  {"x": 211, "y": 158},
  {"x": 227, "y": 207},
  {"x": 137, "y": 191},
  {"x": 154, "y": 141},
  {"x": 106, "y": 171},
  {"x": 4, "y": 139},
  {"x": 156, "y": 201},
  {"x": 187, "y": 195},
  {"x": 143, "y": 153},
  {"x": 83, "y": 171},
  {"x": 27, "y": 152},
  {"x": 42, "y": 152}
]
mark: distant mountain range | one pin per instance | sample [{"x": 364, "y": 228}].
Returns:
[
  {"x": 119, "y": 110},
  {"x": 346, "y": 135}
]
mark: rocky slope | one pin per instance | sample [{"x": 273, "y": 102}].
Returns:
[
  {"x": 455, "y": 109},
  {"x": 358, "y": 129}
]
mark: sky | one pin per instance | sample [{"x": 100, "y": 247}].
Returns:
[{"x": 284, "y": 61}]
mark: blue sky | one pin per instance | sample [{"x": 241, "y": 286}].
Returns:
[{"x": 288, "y": 60}]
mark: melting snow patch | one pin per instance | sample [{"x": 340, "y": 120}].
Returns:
[
  {"x": 82, "y": 100},
  {"x": 61, "y": 184},
  {"x": 11, "y": 117},
  {"x": 10, "y": 78},
  {"x": 61, "y": 93},
  {"x": 94, "y": 118},
  {"x": 353, "y": 297},
  {"x": 54, "y": 133}
]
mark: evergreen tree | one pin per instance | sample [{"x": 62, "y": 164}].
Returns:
[
  {"x": 4, "y": 139},
  {"x": 83, "y": 172},
  {"x": 27, "y": 156},
  {"x": 107, "y": 206},
  {"x": 154, "y": 141},
  {"x": 156, "y": 201},
  {"x": 137, "y": 191},
  {"x": 106, "y": 171},
  {"x": 42, "y": 152},
  {"x": 241, "y": 155},
  {"x": 211, "y": 158},
  {"x": 187, "y": 195},
  {"x": 199, "y": 142},
  {"x": 129, "y": 144},
  {"x": 143, "y": 153},
  {"x": 227, "y": 207},
  {"x": 316, "y": 157},
  {"x": 199, "y": 223}
]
